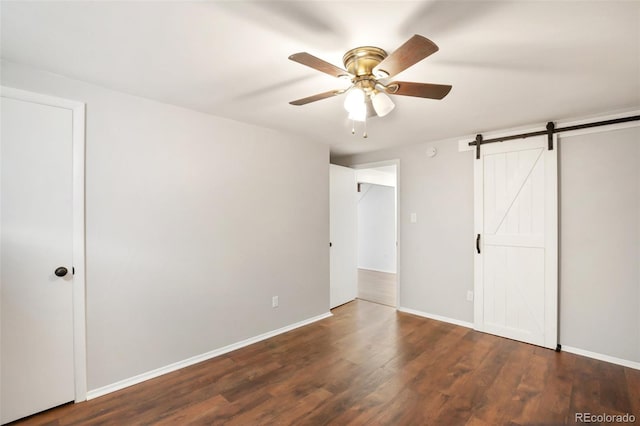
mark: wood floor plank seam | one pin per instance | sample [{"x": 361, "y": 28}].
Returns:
[{"x": 370, "y": 365}]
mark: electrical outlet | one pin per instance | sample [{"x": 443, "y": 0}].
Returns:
[
  {"x": 274, "y": 302},
  {"x": 470, "y": 296}
]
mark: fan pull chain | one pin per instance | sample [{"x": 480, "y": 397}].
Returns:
[{"x": 353, "y": 128}]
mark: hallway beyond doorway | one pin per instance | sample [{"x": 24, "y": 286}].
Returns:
[{"x": 378, "y": 287}]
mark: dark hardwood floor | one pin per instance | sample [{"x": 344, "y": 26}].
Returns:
[{"x": 369, "y": 364}]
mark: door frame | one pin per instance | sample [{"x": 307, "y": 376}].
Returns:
[
  {"x": 373, "y": 165},
  {"x": 78, "y": 163}
]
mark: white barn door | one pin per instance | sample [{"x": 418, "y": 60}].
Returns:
[
  {"x": 516, "y": 260},
  {"x": 343, "y": 225}
]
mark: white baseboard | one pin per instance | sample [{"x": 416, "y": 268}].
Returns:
[
  {"x": 602, "y": 357},
  {"x": 436, "y": 317},
  {"x": 95, "y": 393},
  {"x": 569, "y": 349}
]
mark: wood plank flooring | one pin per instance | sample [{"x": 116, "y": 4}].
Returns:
[
  {"x": 369, "y": 364},
  {"x": 378, "y": 287}
]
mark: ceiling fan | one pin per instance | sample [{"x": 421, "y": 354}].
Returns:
[{"x": 369, "y": 68}]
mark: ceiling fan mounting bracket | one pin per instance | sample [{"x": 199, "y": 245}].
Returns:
[
  {"x": 365, "y": 82},
  {"x": 362, "y": 60}
]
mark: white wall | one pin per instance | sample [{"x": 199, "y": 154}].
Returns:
[
  {"x": 385, "y": 175},
  {"x": 600, "y": 242},
  {"x": 377, "y": 228},
  {"x": 193, "y": 223},
  {"x": 436, "y": 262},
  {"x": 599, "y": 236}
]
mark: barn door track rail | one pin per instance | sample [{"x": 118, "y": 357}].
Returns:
[{"x": 551, "y": 129}]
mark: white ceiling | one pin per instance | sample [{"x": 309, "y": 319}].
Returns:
[{"x": 511, "y": 63}]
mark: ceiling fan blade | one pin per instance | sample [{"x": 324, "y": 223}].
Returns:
[
  {"x": 305, "y": 58},
  {"x": 420, "y": 90},
  {"x": 411, "y": 52},
  {"x": 317, "y": 97}
]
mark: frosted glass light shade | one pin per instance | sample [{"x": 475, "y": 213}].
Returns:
[
  {"x": 359, "y": 113},
  {"x": 354, "y": 100},
  {"x": 382, "y": 103}
]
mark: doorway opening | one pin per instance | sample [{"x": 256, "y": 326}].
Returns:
[{"x": 377, "y": 209}]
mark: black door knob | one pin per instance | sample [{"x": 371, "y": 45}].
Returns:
[{"x": 61, "y": 271}]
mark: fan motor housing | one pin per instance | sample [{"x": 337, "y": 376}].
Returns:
[{"x": 362, "y": 60}]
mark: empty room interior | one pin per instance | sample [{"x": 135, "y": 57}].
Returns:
[{"x": 306, "y": 212}]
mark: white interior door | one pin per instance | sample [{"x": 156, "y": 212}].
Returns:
[
  {"x": 516, "y": 222},
  {"x": 343, "y": 235},
  {"x": 36, "y": 228}
]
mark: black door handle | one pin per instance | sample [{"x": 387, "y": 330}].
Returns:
[
  {"x": 478, "y": 243},
  {"x": 60, "y": 271}
]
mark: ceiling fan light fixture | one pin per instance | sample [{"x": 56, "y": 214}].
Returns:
[
  {"x": 382, "y": 103},
  {"x": 369, "y": 68},
  {"x": 359, "y": 113},
  {"x": 354, "y": 101}
]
